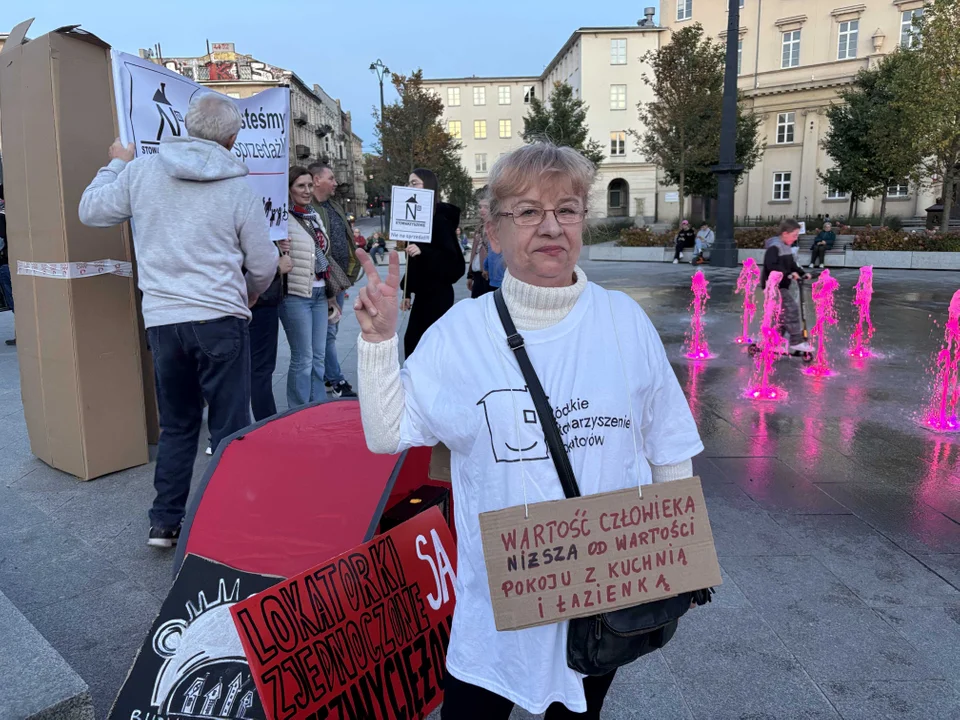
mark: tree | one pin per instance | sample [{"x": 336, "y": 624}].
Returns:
[
  {"x": 562, "y": 121},
  {"x": 929, "y": 98},
  {"x": 682, "y": 125},
  {"x": 411, "y": 135},
  {"x": 869, "y": 140}
]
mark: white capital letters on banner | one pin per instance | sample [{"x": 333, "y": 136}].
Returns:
[{"x": 152, "y": 103}]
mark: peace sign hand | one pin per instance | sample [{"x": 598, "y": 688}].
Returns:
[{"x": 377, "y": 305}]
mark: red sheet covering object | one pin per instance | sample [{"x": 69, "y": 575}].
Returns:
[{"x": 290, "y": 493}]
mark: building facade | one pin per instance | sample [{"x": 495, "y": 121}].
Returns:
[
  {"x": 794, "y": 57},
  {"x": 602, "y": 65},
  {"x": 320, "y": 130}
]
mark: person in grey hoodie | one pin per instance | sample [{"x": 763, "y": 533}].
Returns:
[{"x": 203, "y": 257}]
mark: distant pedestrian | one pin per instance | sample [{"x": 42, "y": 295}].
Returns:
[
  {"x": 198, "y": 226},
  {"x": 310, "y": 302},
  {"x": 432, "y": 268},
  {"x": 476, "y": 282},
  {"x": 6, "y": 285},
  {"x": 343, "y": 251},
  {"x": 378, "y": 247},
  {"x": 464, "y": 240},
  {"x": 823, "y": 242},
  {"x": 686, "y": 238},
  {"x": 359, "y": 240}
]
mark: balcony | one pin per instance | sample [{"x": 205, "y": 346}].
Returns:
[
  {"x": 323, "y": 130},
  {"x": 300, "y": 118},
  {"x": 303, "y": 152}
]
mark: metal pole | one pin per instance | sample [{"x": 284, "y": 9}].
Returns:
[{"x": 725, "y": 247}]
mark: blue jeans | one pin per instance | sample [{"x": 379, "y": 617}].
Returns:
[
  {"x": 193, "y": 362},
  {"x": 305, "y": 323},
  {"x": 6, "y": 287},
  {"x": 331, "y": 365}
]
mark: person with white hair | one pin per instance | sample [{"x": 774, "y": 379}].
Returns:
[{"x": 203, "y": 257}]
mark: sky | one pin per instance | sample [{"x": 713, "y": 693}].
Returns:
[{"x": 333, "y": 43}]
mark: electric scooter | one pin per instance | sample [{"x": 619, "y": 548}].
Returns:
[{"x": 807, "y": 357}]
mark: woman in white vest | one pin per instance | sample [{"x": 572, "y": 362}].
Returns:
[
  {"x": 597, "y": 356},
  {"x": 309, "y": 303}
]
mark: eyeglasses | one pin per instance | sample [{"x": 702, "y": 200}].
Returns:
[{"x": 529, "y": 216}]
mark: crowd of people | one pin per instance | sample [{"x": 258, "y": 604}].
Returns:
[{"x": 216, "y": 289}]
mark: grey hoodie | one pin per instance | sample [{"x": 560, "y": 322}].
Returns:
[{"x": 197, "y": 226}]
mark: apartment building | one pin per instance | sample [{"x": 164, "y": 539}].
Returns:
[
  {"x": 602, "y": 65},
  {"x": 794, "y": 56},
  {"x": 320, "y": 130}
]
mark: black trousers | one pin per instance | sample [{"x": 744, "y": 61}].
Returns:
[
  {"x": 462, "y": 701},
  {"x": 480, "y": 286},
  {"x": 818, "y": 255},
  {"x": 428, "y": 307},
  {"x": 264, "y": 332},
  {"x": 195, "y": 362}
]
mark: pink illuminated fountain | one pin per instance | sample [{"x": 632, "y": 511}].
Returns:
[
  {"x": 770, "y": 345},
  {"x": 747, "y": 282},
  {"x": 942, "y": 415},
  {"x": 863, "y": 332},
  {"x": 823, "y": 289},
  {"x": 697, "y": 348}
]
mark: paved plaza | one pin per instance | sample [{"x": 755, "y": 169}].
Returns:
[{"x": 836, "y": 518}]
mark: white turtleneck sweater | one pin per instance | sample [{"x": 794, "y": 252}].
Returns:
[{"x": 381, "y": 393}]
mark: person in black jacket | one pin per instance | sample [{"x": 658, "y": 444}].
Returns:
[
  {"x": 432, "y": 268},
  {"x": 779, "y": 257},
  {"x": 686, "y": 238}
]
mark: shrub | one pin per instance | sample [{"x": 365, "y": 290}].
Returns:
[
  {"x": 645, "y": 237},
  {"x": 753, "y": 238},
  {"x": 606, "y": 231},
  {"x": 889, "y": 239},
  {"x": 895, "y": 223}
]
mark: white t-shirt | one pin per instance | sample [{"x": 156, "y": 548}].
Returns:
[{"x": 471, "y": 396}]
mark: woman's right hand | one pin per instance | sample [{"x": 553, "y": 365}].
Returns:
[
  {"x": 377, "y": 304},
  {"x": 284, "y": 245},
  {"x": 285, "y": 264},
  {"x": 412, "y": 251}
]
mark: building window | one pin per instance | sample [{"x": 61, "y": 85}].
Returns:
[
  {"x": 529, "y": 93},
  {"x": 453, "y": 127},
  {"x": 908, "y": 33},
  {"x": 479, "y": 96},
  {"x": 479, "y": 129},
  {"x": 684, "y": 9},
  {"x": 506, "y": 129},
  {"x": 503, "y": 94},
  {"x": 618, "y": 143},
  {"x": 618, "y": 51},
  {"x": 234, "y": 95},
  {"x": 740, "y": 55},
  {"x": 480, "y": 159},
  {"x": 900, "y": 189},
  {"x": 847, "y": 44},
  {"x": 618, "y": 97},
  {"x": 785, "y": 125},
  {"x": 781, "y": 186},
  {"x": 453, "y": 97},
  {"x": 791, "y": 49},
  {"x": 833, "y": 194}
]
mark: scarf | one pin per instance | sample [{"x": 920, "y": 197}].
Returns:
[{"x": 310, "y": 221}]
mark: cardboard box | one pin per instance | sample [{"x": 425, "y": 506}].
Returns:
[{"x": 77, "y": 339}]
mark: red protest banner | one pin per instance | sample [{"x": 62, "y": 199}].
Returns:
[{"x": 363, "y": 635}]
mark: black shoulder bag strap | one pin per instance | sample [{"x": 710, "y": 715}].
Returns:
[{"x": 551, "y": 432}]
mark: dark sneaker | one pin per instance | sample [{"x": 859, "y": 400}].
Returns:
[
  {"x": 163, "y": 537},
  {"x": 328, "y": 386},
  {"x": 343, "y": 390}
]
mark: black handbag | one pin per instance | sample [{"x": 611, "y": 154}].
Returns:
[{"x": 598, "y": 644}]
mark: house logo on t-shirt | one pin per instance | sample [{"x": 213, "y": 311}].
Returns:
[{"x": 515, "y": 432}]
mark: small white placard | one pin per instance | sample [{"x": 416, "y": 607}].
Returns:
[
  {"x": 671, "y": 197},
  {"x": 411, "y": 214}
]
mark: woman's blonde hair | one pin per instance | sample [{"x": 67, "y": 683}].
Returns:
[{"x": 531, "y": 164}]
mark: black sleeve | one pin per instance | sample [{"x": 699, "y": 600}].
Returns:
[{"x": 771, "y": 260}]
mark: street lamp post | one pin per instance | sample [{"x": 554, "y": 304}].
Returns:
[
  {"x": 724, "y": 252},
  {"x": 381, "y": 71}
]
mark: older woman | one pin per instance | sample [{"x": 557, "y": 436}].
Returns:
[
  {"x": 310, "y": 299},
  {"x": 587, "y": 345}
]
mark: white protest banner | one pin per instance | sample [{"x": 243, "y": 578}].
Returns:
[
  {"x": 152, "y": 103},
  {"x": 411, "y": 214},
  {"x": 597, "y": 553}
]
